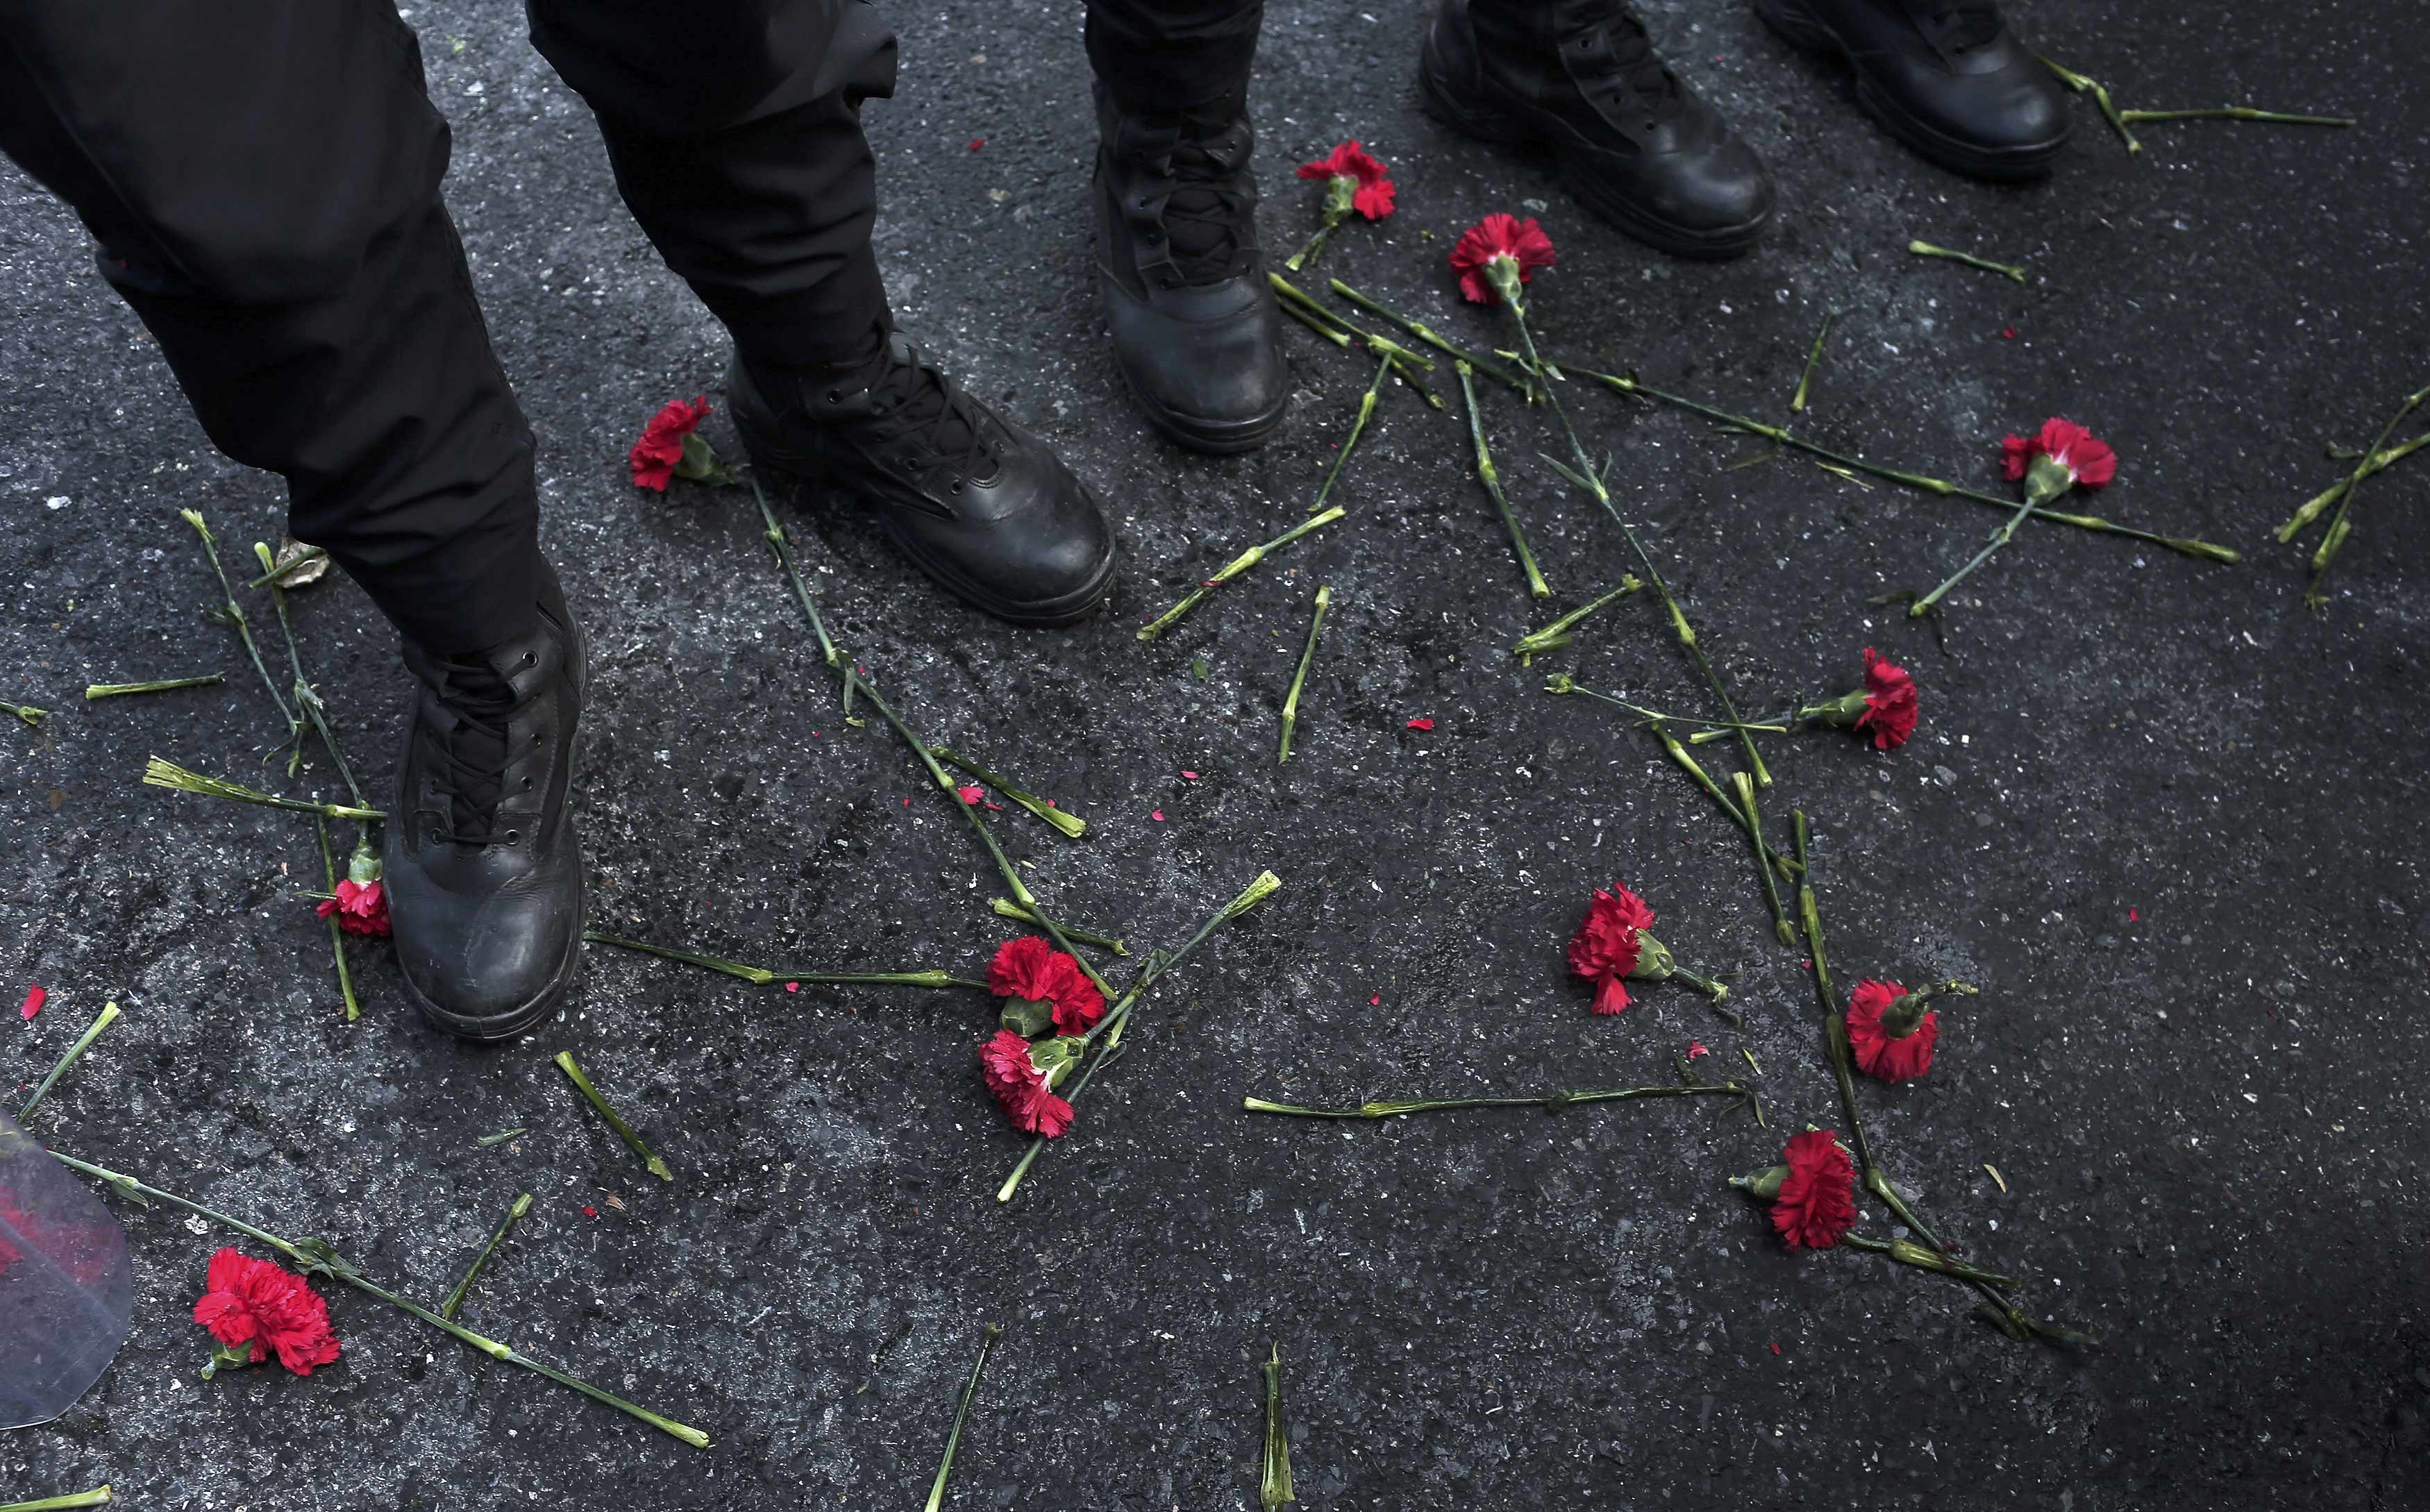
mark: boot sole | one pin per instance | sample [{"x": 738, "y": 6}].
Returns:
[
  {"x": 492, "y": 1028},
  {"x": 1215, "y": 437},
  {"x": 1503, "y": 129},
  {"x": 1803, "y": 30},
  {"x": 1054, "y": 614}
]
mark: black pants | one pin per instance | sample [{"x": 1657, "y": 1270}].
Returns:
[{"x": 263, "y": 177}]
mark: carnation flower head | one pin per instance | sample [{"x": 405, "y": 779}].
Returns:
[
  {"x": 1497, "y": 255},
  {"x": 1817, "y": 1201},
  {"x": 1880, "y": 1052},
  {"x": 1029, "y": 968},
  {"x": 254, "y": 1302},
  {"x": 1890, "y": 702},
  {"x": 2074, "y": 457},
  {"x": 1608, "y": 944},
  {"x": 654, "y": 457},
  {"x": 1353, "y": 172},
  {"x": 359, "y": 907},
  {"x": 1020, "y": 1086}
]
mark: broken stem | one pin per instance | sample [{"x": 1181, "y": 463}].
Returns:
[{"x": 1299, "y": 678}]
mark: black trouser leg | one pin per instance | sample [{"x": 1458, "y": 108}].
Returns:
[
  {"x": 263, "y": 179},
  {"x": 734, "y": 133},
  {"x": 1163, "y": 55}
]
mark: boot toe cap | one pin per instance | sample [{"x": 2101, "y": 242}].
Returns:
[{"x": 1209, "y": 373}]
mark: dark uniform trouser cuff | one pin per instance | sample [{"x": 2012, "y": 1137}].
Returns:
[{"x": 1162, "y": 55}]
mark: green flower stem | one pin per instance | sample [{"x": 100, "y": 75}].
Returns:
[
  {"x": 93, "y": 691},
  {"x": 1110, "y": 1028},
  {"x": 1925, "y": 249},
  {"x": 623, "y": 1131},
  {"x": 962, "y": 1411},
  {"x": 280, "y": 571},
  {"x": 96, "y": 1497},
  {"x": 235, "y": 613},
  {"x": 1587, "y": 477},
  {"x": 1007, "y": 908},
  {"x": 762, "y": 975},
  {"x": 2000, "y": 538},
  {"x": 314, "y": 1256},
  {"x": 1915, "y": 480},
  {"x": 1299, "y": 678},
  {"x": 486, "y": 1141},
  {"x": 1426, "y": 334},
  {"x": 2313, "y": 507},
  {"x": 1745, "y": 786},
  {"x": 1906, "y": 1253},
  {"x": 1550, "y": 1102},
  {"x": 774, "y": 535},
  {"x": 162, "y": 773},
  {"x": 1313, "y": 245},
  {"x": 455, "y": 1299},
  {"x": 1410, "y": 366},
  {"x": 1702, "y": 778},
  {"x": 1835, "y": 1035},
  {"x": 1556, "y": 635},
  {"x": 987, "y": 836},
  {"x": 1813, "y": 360},
  {"x": 108, "y": 1016},
  {"x": 337, "y": 934},
  {"x": 1357, "y": 429},
  {"x": 2336, "y": 536},
  {"x": 2235, "y": 112},
  {"x": 1232, "y": 569},
  {"x": 27, "y": 712},
  {"x": 1274, "y": 1487},
  {"x": 1561, "y": 682},
  {"x": 2083, "y": 84},
  {"x": 307, "y": 698},
  {"x": 1071, "y": 824},
  {"x": 1491, "y": 477}
]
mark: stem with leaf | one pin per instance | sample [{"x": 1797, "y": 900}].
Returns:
[
  {"x": 110, "y": 1015},
  {"x": 1428, "y": 335},
  {"x": 315, "y": 1256},
  {"x": 337, "y": 934},
  {"x": 2083, "y": 84},
  {"x": 1550, "y": 1102},
  {"x": 2372, "y": 462},
  {"x": 1299, "y": 678},
  {"x": 1274, "y": 1487},
  {"x": 280, "y": 571},
  {"x": 2338, "y": 526},
  {"x": 1813, "y": 360},
  {"x": 98, "y": 1496},
  {"x": 1491, "y": 477},
  {"x": 33, "y": 717},
  {"x": 762, "y": 975},
  {"x": 162, "y": 774},
  {"x": 2235, "y": 112},
  {"x": 1659, "y": 724},
  {"x": 774, "y": 535},
  {"x": 1556, "y": 635},
  {"x": 234, "y": 613},
  {"x": 1232, "y": 569},
  {"x": 1006, "y": 907},
  {"x": 1745, "y": 787},
  {"x": 1915, "y": 480},
  {"x": 1072, "y": 825},
  {"x": 1297, "y": 302},
  {"x": 1925, "y": 249},
  {"x": 1357, "y": 429}
]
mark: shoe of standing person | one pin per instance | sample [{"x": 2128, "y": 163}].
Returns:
[
  {"x": 481, "y": 865},
  {"x": 1949, "y": 79},
  {"x": 1579, "y": 81},
  {"x": 971, "y": 499},
  {"x": 1196, "y": 332}
]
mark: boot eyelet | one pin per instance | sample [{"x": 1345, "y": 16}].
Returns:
[
  {"x": 834, "y": 397},
  {"x": 530, "y": 657},
  {"x": 528, "y": 785},
  {"x": 958, "y": 485},
  {"x": 513, "y": 836}
]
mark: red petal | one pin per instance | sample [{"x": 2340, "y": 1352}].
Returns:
[
  {"x": 1156, "y": 814},
  {"x": 1190, "y": 775},
  {"x": 1420, "y": 725},
  {"x": 977, "y": 142},
  {"x": 971, "y": 794},
  {"x": 34, "y": 998}
]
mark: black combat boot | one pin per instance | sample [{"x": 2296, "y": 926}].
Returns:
[
  {"x": 1196, "y": 333},
  {"x": 974, "y": 501},
  {"x": 1578, "y": 81},
  {"x": 1949, "y": 79},
  {"x": 483, "y": 871}
]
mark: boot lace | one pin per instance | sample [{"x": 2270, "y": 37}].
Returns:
[
  {"x": 1961, "y": 24},
  {"x": 1637, "y": 71},
  {"x": 1209, "y": 215},
  {"x": 917, "y": 401},
  {"x": 469, "y": 771}
]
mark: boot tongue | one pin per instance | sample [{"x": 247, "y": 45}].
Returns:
[
  {"x": 481, "y": 702},
  {"x": 1207, "y": 213},
  {"x": 915, "y": 398},
  {"x": 1633, "y": 62},
  {"x": 1964, "y": 24}
]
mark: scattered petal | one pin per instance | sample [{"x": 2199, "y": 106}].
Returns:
[
  {"x": 792, "y": 987},
  {"x": 1188, "y": 775},
  {"x": 1694, "y": 1050},
  {"x": 590, "y": 1211},
  {"x": 1775, "y": 1346},
  {"x": 971, "y": 794},
  {"x": 2132, "y": 917},
  {"x": 34, "y": 998},
  {"x": 1156, "y": 814},
  {"x": 977, "y": 142},
  {"x": 1376, "y": 1001},
  {"x": 1420, "y": 725},
  {"x": 2010, "y": 332}
]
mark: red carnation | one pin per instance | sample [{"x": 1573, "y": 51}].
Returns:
[
  {"x": 1608, "y": 945},
  {"x": 1031, "y": 968},
  {"x": 361, "y": 908},
  {"x": 1363, "y": 180},
  {"x": 1890, "y": 702},
  {"x": 1817, "y": 1200},
  {"x": 2074, "y": 457},
  {"x": 254, "y": 1302},
  {"x": 1021, "y": 1087},
  {"x": 1896, "y": 1046},
  {"x": 1497, "y": 255},
  {"x": 654, "y": 457}
]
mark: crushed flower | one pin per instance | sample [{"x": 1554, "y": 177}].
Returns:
[
  {"x": 1021, "y": 1087},
  {"x": 1605, "y": 948},
  {"x": 1890, "y": 702},
  {"x": 1878, "y": 1051},
  {"x": 1817, "y": 1202},
  {"x": 1366, "y": 182},
  {"x": 653, "y": 458},
  {"x": 359, "y": 907},
  {"x": 2086, "y": 460}
]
